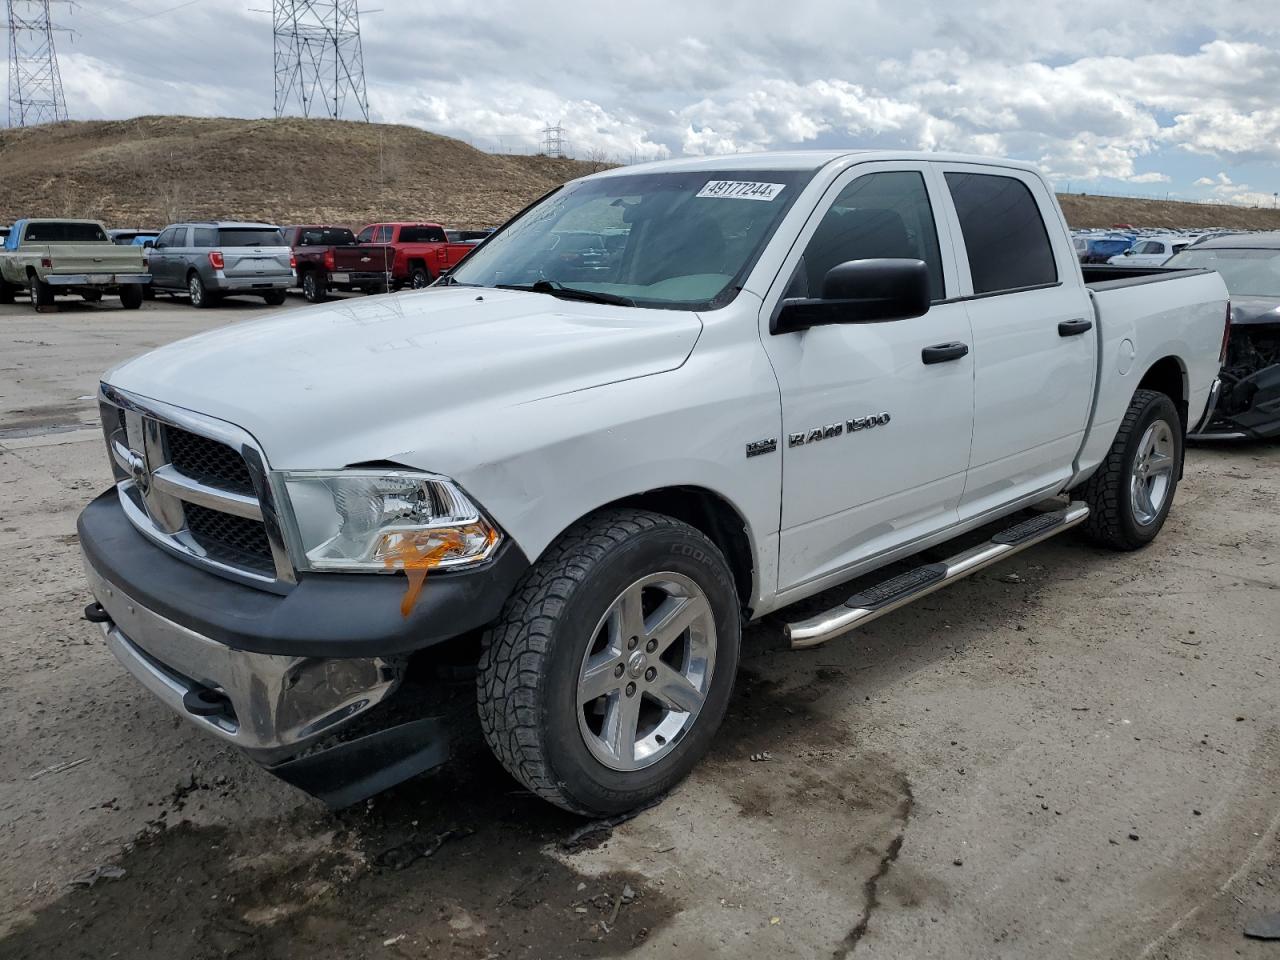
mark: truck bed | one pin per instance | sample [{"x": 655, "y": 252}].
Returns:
[{"x": 1103, "y": 276}]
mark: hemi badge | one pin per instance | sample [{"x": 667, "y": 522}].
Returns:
[{"x": 757, "y": 448}]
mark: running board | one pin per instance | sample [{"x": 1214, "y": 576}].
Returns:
[{"x": 876, "y": 601}]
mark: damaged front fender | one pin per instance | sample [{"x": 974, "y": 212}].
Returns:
[{"x": 1249, "y": 401}]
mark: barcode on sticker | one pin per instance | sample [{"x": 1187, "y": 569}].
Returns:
[{"x": 740, "y": 190}]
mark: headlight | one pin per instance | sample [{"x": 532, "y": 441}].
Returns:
[{"x": 370, "y": 520}]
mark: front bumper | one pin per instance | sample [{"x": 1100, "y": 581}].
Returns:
[
  {"x": 96, "y": 279},
  {"x": 277, "y": 675},
  {"x": 269, "y": 706}
]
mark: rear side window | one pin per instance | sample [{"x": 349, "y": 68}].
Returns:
[
  {"x": 205, "y": 237},
  {"x": 1004, "y": 234},
  {"x": 422, "y": 235},
  {"x": 250, "y": 237}
]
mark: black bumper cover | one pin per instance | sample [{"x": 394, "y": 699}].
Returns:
[{"x": 324, "y": 615}]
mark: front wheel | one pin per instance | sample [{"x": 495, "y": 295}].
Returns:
[
  {"x": 1131, "y": 492},
  {"x": 610, "y": 668},
  {"x": 91, "y": 296},
  {"x": 7, "y": 291},
  {"x": 274, "y": 298}
]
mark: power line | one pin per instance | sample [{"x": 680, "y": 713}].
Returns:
[
  {"x": 319, "y": 60},
  {"x": 35, "y": 83}
]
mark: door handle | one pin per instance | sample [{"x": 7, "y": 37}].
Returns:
[
  {"x": 1073, "y": 328},
  {"x": 942, "y": 352}
]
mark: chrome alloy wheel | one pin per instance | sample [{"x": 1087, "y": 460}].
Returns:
[
  {"x": 646, "y": 671},
  {"x": 195, "y": 289},
  {"x": 1152, "y": 477}
]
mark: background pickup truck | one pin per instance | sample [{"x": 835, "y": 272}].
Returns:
[
  {"x": 420, "y": 252},
  {"x": 49, "y": 257},
  {"x": 330, "y": 258},
  {"x": 867, "y": 370}
]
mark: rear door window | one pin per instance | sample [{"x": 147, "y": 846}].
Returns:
[
  {"x": 250, "y": 237},
  {"x": 1004, "y": 235}
]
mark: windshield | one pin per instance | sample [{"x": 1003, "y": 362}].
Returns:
[
  {"x": 673, "y": 240},
  {"x": 1247, "y": 273},
  {"x": 326, "y": 237}
]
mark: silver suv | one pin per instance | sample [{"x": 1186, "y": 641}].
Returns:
[{"x": 211, "y": 260}]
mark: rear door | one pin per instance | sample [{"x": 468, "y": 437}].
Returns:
[
  {"x": 875, "y": 440},
  {"x": 251, "y": 253},
  {"x": 1034, "y": 342}
]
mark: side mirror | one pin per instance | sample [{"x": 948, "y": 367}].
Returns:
[{"x": 860, "y": 291}]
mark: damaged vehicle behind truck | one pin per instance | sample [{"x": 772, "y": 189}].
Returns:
[{"x": 1248, "y": 404}]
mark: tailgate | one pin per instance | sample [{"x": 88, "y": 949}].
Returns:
[
  {"x": 256, "y": 261},
  {"x": 94, "y": 258},
  {"x": 366, "y": 258}
]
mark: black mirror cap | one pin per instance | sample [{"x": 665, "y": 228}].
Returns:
[{"x": 861, "y": 291}]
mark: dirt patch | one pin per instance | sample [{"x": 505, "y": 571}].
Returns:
[
  {"x": 48, "y": 418},
  {"x": 458, "y": 865}
]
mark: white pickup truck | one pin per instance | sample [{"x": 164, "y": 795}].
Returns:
[{"x": 590, "y": 465}]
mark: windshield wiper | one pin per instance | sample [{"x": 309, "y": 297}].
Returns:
[{"x": 558, "y": 289}]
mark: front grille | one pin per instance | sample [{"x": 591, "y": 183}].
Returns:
[
  {"x": 229, "y": 539},
  {"x": 208, "y": 461}
]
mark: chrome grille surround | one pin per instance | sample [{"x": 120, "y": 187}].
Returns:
[{"x": 154, "y": 493}]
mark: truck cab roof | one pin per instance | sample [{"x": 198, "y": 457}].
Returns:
[{"x": 802, "y": 160}]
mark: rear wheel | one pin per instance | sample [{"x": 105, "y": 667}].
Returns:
[
  {"x": 421, "y": 277},
  {"x": 313, "y": 289},
  {"x": 274, "y": 298},
  {"x": 610, "y": 669},
  {"x": 41, "y": 292},
  {"x": 1132, "y": 491},
  {"x": 131, "y": 296},
  {"x": 196, "y": 290}
]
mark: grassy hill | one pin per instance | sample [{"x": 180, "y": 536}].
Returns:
[{"x": 154, "y": 170}]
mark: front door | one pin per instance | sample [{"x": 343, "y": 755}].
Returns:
[{"x": 876, "y": 425}]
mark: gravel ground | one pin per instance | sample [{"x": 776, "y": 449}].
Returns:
[{"x": 1072, "y": 754}]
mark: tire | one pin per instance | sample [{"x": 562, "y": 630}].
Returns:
[
  {"x": 8, "y": 292},
  {"x": 419, "y": 278},
  {"x": 131, "y": 295},
  {"x": 92, "y": 296},
  {"x": 1146, "y": 455},
  {"x": 200, "y": 298},
  {"x": 313, "y": 288},
  {"x": 275, "y": 298},
  {"x": 41, "y": 292},
  {"x": 566, "y": 618},
  {"x": 148, "y": 292}
]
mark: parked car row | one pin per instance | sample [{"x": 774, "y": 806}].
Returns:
[{"x": 209, "y": 260}]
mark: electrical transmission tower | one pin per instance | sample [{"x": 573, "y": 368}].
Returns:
[
  {"x": 554, "y": 143},
  {"x": 318, "y": 58},
  {"x": 35, "y": 85}
]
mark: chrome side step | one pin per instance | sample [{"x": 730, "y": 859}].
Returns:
[{"x": 876, "y": 601}]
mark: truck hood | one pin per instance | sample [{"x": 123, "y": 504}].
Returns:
[
  {"x": 1246, "y": 311},
  {"x": 363, "y": 379}
]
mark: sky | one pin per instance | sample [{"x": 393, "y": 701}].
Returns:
[{"x": 1177, "y": 97}]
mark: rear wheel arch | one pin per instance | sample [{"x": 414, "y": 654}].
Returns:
[{"x": 1168, "y": 376}]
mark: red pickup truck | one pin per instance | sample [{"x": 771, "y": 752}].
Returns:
[
  {"x": 422, "y": 251},
  {"x": 330, "y": 258}
]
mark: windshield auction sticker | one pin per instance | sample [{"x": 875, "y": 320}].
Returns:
[{"x": 740, "y": 190}]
